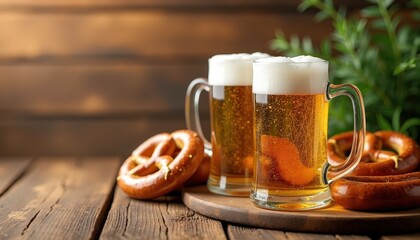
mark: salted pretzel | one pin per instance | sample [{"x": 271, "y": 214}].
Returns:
[
  {"x": 385, "y": 179},
  {"x": 161, "y": 164}
]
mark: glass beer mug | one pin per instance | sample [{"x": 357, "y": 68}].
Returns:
[
  {"x": 290, "y": 125},
  {"x": 231, "y": 108}
]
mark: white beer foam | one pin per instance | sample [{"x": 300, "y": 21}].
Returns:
[
  {"x": 283, "y": 75},
  {"x": 233, "y": 69}
]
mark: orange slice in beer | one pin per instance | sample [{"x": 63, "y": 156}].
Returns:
[
  {"x": 249, "y": 163},
  {"x": 290, "y": 166},
  {"x": 268, "y": 173}
]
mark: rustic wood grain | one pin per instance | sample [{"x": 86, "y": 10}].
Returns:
[
  {"x": 69, "y": 198},
  {"x": 332, "y": 220},
  {"x": 58, "y": 199},
  {"x": 163, "y": 218},
  {"x": 308, "y": 236},
  {"x": 10, "y": 170},
  {"x": 112, "y": 88},
  {"x": 108, "y": 136},
  {"x": 242, "y": 232},
  {"x": 413, "y": 236},
  {"x": 148, "y": 34},
  {"x": 352, "y": 237},
  {"x": 245, "y": 233}
]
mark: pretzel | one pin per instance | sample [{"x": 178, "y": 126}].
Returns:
[
  {"x": 161, "y": 164},
  {"x": 201, "y": 175},
  {"x": 384, "y": 179},
  {"x": 375, "y": 160}
]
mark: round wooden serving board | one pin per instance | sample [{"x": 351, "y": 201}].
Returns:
[{"x": 333, "y": 219}]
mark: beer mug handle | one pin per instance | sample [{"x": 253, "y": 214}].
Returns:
[
  {"x": 192, "y": 117},
  {"x": 332, "y": 173}
]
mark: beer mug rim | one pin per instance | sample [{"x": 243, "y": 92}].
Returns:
[
  {"x": 210, "y": 60},
  {"x": 237, "y": 57},
  {"x": 288, "y": 63}
]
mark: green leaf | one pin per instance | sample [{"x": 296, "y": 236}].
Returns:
[
  {"x": 395, "y": 22},
  {"x": 371, "y": 11},
  {"x": 396, "y": 119},
  {"x": 326, "y": 48},
  {"x": 307, "y": 46},
  {"x": 342, "y": 12},
  {"x": 306, "y": 4},
  {"x": 383, "y": 123},
  {"x": 329, "y": 3},
  {"x": 279, "y": 44},
  {"x": 404, "y": 66},
  {"x": 379, "y": 24},
  {"x": 386, "y": 3},
  {"x": 341, "y": 48},
  {"x": 321, "y": 16},
  {"x": 294, "y": 42},
  {"x": 361, "y": 25},
  {"x": 412, "y": 122},
  {"x": 403, "y": 35}
]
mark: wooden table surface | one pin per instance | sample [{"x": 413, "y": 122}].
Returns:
[{"x": 77, "y": 198}]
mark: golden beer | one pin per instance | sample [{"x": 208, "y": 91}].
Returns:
[
  {"x": 232, "y": 138},
  {"x": 290, "y": 144},
  {"x": 290, "y": 127},
  {"x": 290, "y": 98},
  {"x": 231, "y": 109}
]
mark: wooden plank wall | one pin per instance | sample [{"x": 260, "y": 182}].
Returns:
[{"x": 98, "y": 77}]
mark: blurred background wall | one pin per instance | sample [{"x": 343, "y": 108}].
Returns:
[{"x": 98, "y": 77}]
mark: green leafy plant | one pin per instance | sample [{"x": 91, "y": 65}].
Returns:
[{"x": 377, "y": 52}]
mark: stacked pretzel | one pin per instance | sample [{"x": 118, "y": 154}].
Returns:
[
  {"x": 387, "y": 177},
  {"x": 164, "y": 163}
]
